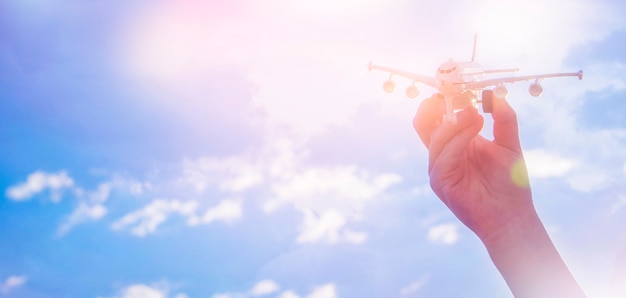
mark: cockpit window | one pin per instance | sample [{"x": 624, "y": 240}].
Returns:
[{"x": 446, "y": 71}]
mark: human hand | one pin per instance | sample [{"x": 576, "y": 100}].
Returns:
[{"x": 484, "y": 183}]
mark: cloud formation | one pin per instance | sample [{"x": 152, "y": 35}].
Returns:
[
  {"x": 446, "y": 234},
  {"x": 11, "y": 283},
  {"x": 38, "y": 182},
  {"x": 268, "y": 286},
  {"x": 324, "y": 291},
  {"x": 84, "y": 212},
  {"x": 90, "y": 204},
  {"x": 278, "y": 173},
  {"x": 145, "y": 221},
  {"x": 226, "y": 211},
  {"x": 232, "y": 174},
  {"x": 542, "y": 164},
  {"x": 288, "y": 294},
  {"x": 327, "y": 227},
  {"x": 339, "y": 187},
  {"x": 264, "y": 287},
  {"x": 142, "y": 291},
  {"x": 90, "y": 208},
  {"x": 327, "y": 196},
  {"x": 161, "y": 290}
]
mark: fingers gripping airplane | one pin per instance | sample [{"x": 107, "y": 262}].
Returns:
[{"x": 459, "y": 83}]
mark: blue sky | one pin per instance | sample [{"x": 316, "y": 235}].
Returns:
[{"x": 241, "y": 149}]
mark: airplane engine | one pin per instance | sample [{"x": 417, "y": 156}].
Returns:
[
  {"x": 412, "y": 91},
  {"x": 535, "y": 89},
  {"x": 500, "y": 91},
  {"x": 389, "y": 86}
]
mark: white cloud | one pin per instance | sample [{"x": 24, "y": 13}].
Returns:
[
  {"x": 226, "y": 211},
  {"x": 327, "y": 227},
  {"x": 145, "y": 221},
  {"x": 542, "y": 164},
  {"x": 337, "y": 193},
  {"x": 83, "y": 213},
  {"x": 157, "y": 290},
  {"x": 101, "y": 194},
  {"x": 288, "y": 294},
  {"x": 264, "y": 287},
  {"x": 589, "y": 179},
  {"x": 138, "y": 188},
  {"x": 267, "y": 287},
  {"x": 328, "y": 196},
  {"x": 11, "y": 283},
  {"x": 142, "y": 291},
  {"x": 90, "y": 202},
  {"x": 444, "y": 234},
  {"x": 415, "y": 286},
  {"x": 232, "y": 175},
  {"x": 344, "y": 188},
  {"x": 38, "y": 182},
  {"x": 90, "y": 208},
  {"x": 123, "y": 183},
  {"x": 244, "y": 178},
  {"x": 230, "y": 295},
  {"x": 324, "y": 291}
]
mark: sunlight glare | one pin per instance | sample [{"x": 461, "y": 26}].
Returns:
[
  {"x": 174, "y": 41},
  {"x": 353, "y": 7},
  {"x": 510, "y": 28},
  {"x": 519, "y": 174},
  {"x": 166, "y": 49}
]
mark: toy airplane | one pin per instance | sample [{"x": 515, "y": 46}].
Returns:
[{"x": 460, "y": 82}]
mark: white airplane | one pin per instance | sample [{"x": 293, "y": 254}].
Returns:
[{"x": 460, "y": 82}]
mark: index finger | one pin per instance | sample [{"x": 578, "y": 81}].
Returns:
[{"x": 428, "y": 117}]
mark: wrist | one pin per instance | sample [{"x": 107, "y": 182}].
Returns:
[
  {"x": 528, "y": 260},
  {"x": 524, "y": 224}
]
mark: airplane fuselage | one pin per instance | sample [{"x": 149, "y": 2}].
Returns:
[{"x": 451, "y": 82}]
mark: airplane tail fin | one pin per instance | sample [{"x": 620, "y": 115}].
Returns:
[{"x": 475, "y": 46}]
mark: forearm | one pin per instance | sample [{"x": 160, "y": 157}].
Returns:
[{"x": 528, "y": 260}]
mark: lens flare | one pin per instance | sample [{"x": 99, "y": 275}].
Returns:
[{"x": 519, "y": 174}]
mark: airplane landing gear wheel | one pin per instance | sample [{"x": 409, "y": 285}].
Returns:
[{"x": 487, "y": 100}]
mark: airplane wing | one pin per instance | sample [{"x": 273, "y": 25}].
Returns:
[
  {"x": 411, "y": 76},
  {"x": 499, "y": 81}
]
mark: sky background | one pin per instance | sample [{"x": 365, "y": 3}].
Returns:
[{"x": 241, "y": 148}]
